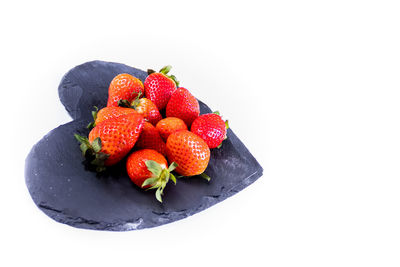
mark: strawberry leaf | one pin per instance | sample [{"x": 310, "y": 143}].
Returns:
[
  {"x": 166, "y": 69},
  {"x": 150, "y": 181},
  {"x": 174, "y": 79},
  {"x": 90, "y": 125},
  {"x": 85, "y": 145},
  {"x": 99, "y": 161},
  {"x": 172, "y": 166},
  {"x": 158, "y": 195},
  {"x": 153, "y": 167},
  {"x": 81, "y": 139},
  {"x": 124, "y": 103},
  {"x": 84, "y": 148},
  {"x": 91, "y": 151},
  {"x": 172, "y": 177},
  {"x": 94, "y": 115},
  {"x": 160, "y": 177},
  {"x": 96, "y": 144},
  {"x": 135, "y": 103}
]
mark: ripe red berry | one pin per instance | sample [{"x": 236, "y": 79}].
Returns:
[
  {"x": 211, "y": 128},
  {"x": 183, "y": 105},
  {"x": 111, "y": 140},
  {"x": 150, "y": 138},
  {"x": 159, "y": 87},
  {"x": 148, "y": 169},
  {"x": 170, "y": 125},
  {"x": 189, "y": 151},
  {"x": 124, "y": 87}
]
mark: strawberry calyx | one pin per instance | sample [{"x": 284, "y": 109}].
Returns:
[
  {"x": 160, "y": 177},
  {"x": 172, "y": 77},
  {"x": 135, "y": 103},
  {"x": 126, "y": 104},
  {"x": 123, "y": 103},
  {"x": 94, "y": 115},
  {"x": 226, "y": 127},
  {"x": 92, "y": 152},
  {"x": 165, "y": 71}
]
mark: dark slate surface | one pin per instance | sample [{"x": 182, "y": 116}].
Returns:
[{"x": 64, "y": 190}]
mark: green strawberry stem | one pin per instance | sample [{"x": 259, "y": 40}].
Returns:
[
  {"x": 159, "y": 178},
  {"x": 91, "y": 151},
  {"x": 226, "y": 125},
  {"x": 136, "y": 101},
  {"x": 166, "y": 69},
  {"x": 205, "y": 176},
  {"x": 94, "y": 115}
]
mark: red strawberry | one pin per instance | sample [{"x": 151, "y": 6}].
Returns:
[
  {"x": 111, "y": 140},
  {"x": 148, "y": 169},
  {"x": 189, "y": 151},
  {"x": 124, "y": 86},
  {"x": 170, "y": 125},
  {"x": 183, "y": 105},
  {"x": 211, "y": 128},
  {"x": 148, "y": 109},
  {"x": 159, "y": 86},
  {"x": 108, "y": 113},
  {"x": 150, "y": 138}
]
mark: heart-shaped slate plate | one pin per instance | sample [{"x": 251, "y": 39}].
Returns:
[{"x": 66, "y": 191}]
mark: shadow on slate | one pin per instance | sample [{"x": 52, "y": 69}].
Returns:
[{"x": 64, "y": 190}]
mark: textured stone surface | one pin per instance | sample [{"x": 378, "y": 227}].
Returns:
[{"x": 64, "y": 190}]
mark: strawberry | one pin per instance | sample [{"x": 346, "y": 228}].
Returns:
[
  {"x": 159, "y": 86},
  {"x": 211, "y": 128},
  {"x": 108, "y": 113},
  {"x": 183, "y": 105},
  {"x": 123, "y": 86},
  {"x": 190, "y": 152},
  {"x": 111, "y": 140},
  {"x": 170, "y": 125},
  {"x": 148, "y": 109},
  {"x": 148, "y": 169},
  {"x": 150, "y": 138}
]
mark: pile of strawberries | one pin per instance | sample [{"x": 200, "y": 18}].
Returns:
[{"x": 132, "y": 125}]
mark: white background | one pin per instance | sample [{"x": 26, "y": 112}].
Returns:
[{"x": 311, "y": 88}]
